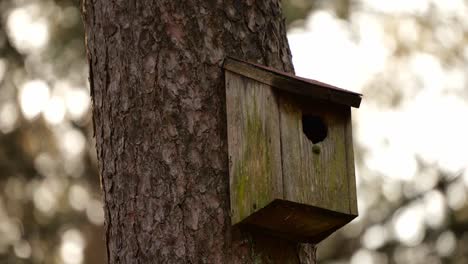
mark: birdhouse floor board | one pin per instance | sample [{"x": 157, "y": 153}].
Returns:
[{"x": 296, "y": 222}]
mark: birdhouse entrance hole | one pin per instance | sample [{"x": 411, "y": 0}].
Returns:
[{"x": 314, "y": 128}]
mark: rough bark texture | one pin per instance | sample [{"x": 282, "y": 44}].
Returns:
[{"x": 160, "y": 125}]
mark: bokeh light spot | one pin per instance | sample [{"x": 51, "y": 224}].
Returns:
[
  {"x": 34, "y": 96},
  {"x": 409, "y": 225},
  {"x": 3, "y": 67},
  {"x": 374, "y": 237},
  {"x": 95, "y": 212},
  {"x": 28, "y": 33},
  {"x": 434, "y": 209},
  {"x": 446, "y": 243},
  {"x": 71, "y": 249},
  {"x": 55, "y": 110},
  {"x": 8, "y": 117},
  {"x": 73, "y": 142},
  {"x": 22, "y": 249},
  {"x": 77, "y": 101},
  {"x": 78, "y": 197}
]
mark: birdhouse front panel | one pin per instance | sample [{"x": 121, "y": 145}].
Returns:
[
  {"x": 291, "y": 164},
  {"x": 317, "y": 154}
]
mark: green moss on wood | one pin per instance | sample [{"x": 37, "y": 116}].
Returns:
[{"x": 253, "y": 171}]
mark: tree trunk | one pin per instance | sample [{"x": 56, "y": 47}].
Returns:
[{"x": 160, "y": 125}]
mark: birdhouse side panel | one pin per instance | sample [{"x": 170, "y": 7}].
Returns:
[
  {"x": 350, "y": 163},
  {"x": 315, "y": 173},
  {"x": 255, "y": 174}
]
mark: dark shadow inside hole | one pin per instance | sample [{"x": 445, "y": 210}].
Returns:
[{"x": 314, "y": 128}]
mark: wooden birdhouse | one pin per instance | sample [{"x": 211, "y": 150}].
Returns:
[{"x": 291, "y": 164}]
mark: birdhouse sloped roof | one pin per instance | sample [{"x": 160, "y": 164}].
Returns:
[{"x": 293, "y": 84}]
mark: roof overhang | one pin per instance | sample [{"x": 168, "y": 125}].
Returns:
[{"x": 293, "y": 84}]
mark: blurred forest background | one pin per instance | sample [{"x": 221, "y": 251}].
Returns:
[{"x": 408, "y": 58}]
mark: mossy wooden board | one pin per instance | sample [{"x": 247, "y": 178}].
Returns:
[
  {"x": 254, "y": 146},
  {"x": 314, "y": 174}
]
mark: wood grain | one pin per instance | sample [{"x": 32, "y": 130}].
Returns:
[
  {"x": 281, "y": 183},
  {"x": 317, "y": 178},
  {"x": 353, "y": 208},
  {"x": 293, "y": 84},
  {"x": 254, "y": 146},
  {"x": 297, "y": 222}
]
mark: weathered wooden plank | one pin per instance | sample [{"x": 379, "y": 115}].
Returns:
[
  {"x": 314, "y": 174},
  {"x": 350, "y": 164},
  {"x": 292, "y": 83},
  {"x": 297, "y": 222},
  {"x": 254, "y": 146}
]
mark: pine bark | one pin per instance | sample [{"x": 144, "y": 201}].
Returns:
[{"x": 160, "y": 125}]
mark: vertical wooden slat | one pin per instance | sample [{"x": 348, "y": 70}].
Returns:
[
  {"x": 254, "y": 146},
  {"x": 314, "y": 174},
  {"x": 350, "y": 164}
]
